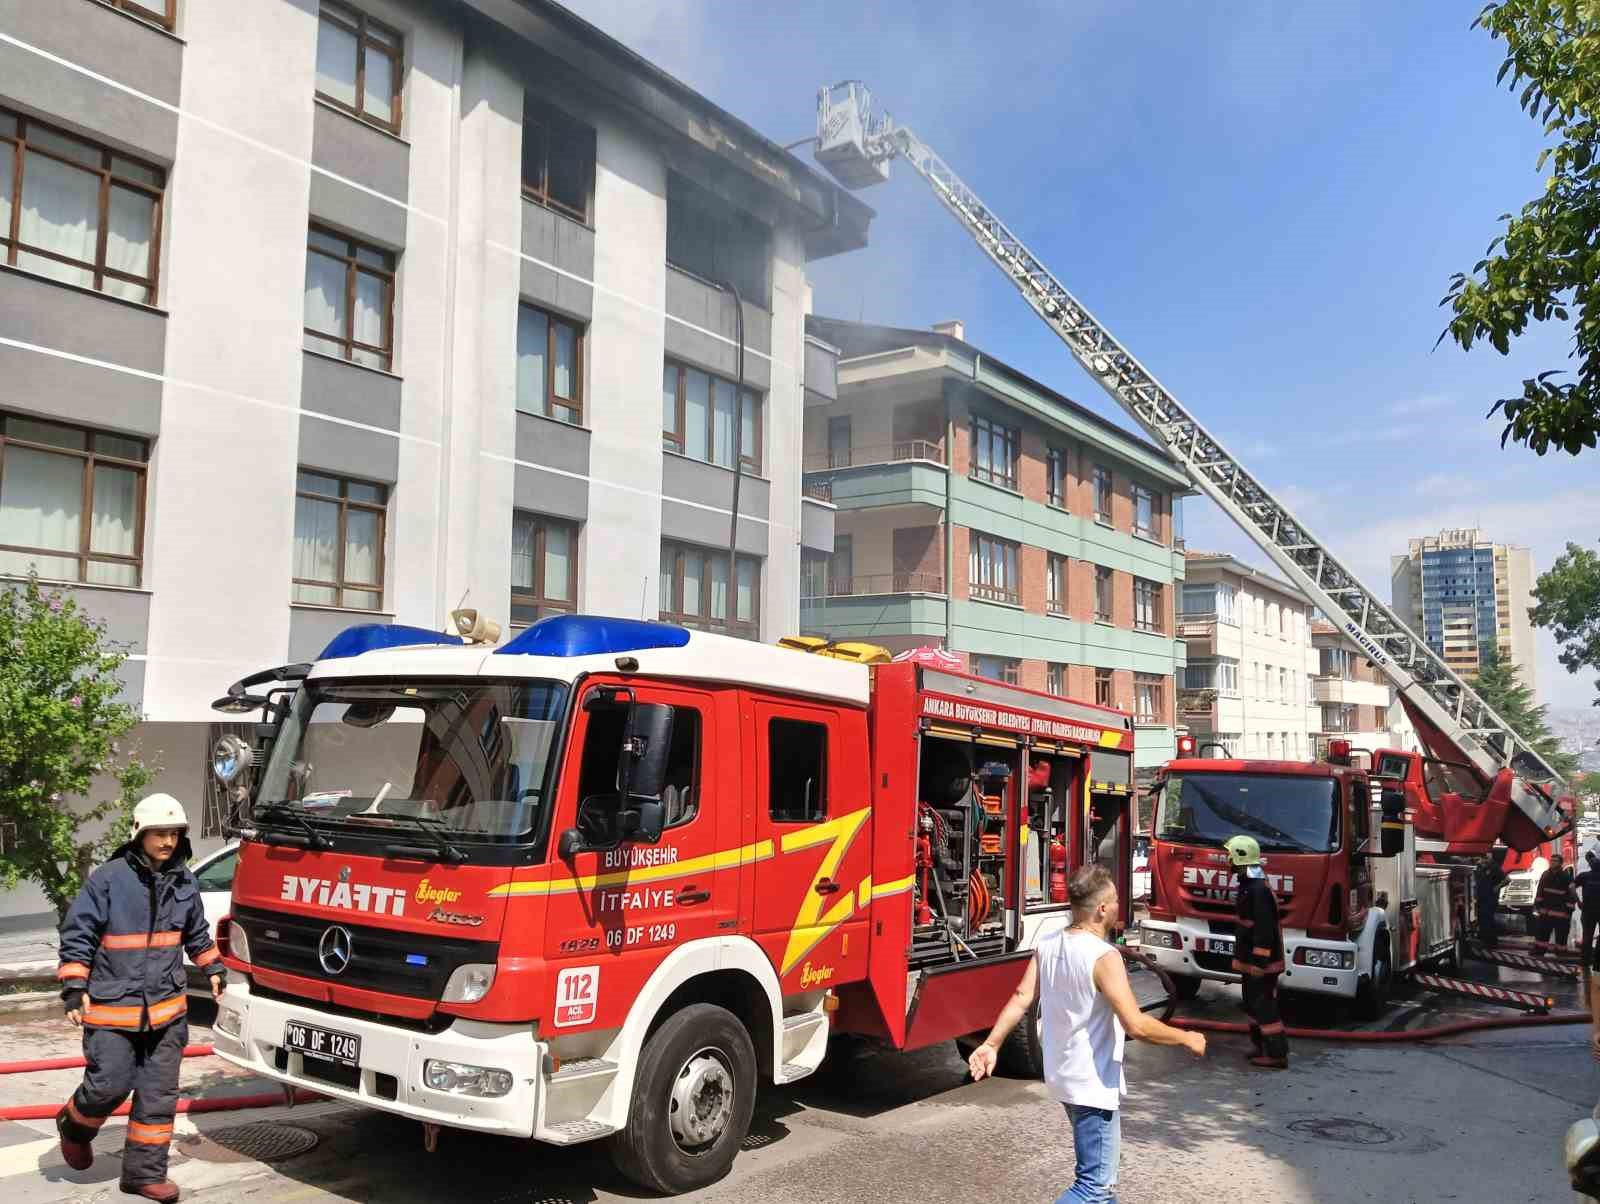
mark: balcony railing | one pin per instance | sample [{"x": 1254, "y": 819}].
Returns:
[
  {"x": 865, "y": 584},
  {"x": 818, "y": 490},
  {"x": 875, "y": 453},
  {"x": 1196, "y": 702}
]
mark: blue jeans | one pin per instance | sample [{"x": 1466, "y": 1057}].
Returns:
[{"x": 1097, "y": 1140}]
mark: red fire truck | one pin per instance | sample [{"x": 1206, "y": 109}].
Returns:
[
  {"x": 598, "y": 881},
  {"x": 1371, "y": 865}
]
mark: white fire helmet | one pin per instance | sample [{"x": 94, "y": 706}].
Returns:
[{"x": 158, "y": 811}]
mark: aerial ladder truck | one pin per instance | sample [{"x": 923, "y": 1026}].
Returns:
[{"x": 1479, "y": 782}]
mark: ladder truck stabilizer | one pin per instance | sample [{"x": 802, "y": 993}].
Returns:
[
  {"x": 1529, "y": 1001},
  {"x": 1522, "y": 961},
  {"x": 856, "y": 141}
]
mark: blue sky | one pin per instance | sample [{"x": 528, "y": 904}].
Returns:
[{"x": 1264, "y": 201}]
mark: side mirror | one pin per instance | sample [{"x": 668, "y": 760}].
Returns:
[
  {"x": 642, "y": 768},
  {"x": 571, "y": 844}
]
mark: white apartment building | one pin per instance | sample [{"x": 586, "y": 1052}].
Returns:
[
  {"x": 319, "y": 313},
  {"x": 1247, "y": 685},
  {"x": 1354, "y": 701}
]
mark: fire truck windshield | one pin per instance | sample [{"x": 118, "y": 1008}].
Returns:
[
  {"x": 1285, "y": 813},
  {"x": 382, "y": 756}
]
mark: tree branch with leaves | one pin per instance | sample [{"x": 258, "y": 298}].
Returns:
[
  {"x": 66, "y": 788},
  {"x": 1547, "y": 263},
  {"x": 1567, "y": 601}
]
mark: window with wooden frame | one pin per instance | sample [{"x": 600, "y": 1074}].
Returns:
[
  {"x": 992, "y": 569},
  {"x": 994, "y": 452},
  {"x": 358, "y": 65},
  {"x": 544, "y": 567},
  {"x": 1146, "y": 513},
  {"x": 338, "y": 541},
  {"x": 998, "y": 668},
  {"x": 162, "y": 12},
  {"x": 1104, "y": 593},
  {"x": 697, "y": 418},
  {"x": 1055, "y": 680},
  {"x": 1055, "y": 477},
  {"x": 1101, "y": 478},
  {"x": 549, "y": 365},
  {"x": 1055, "y": 584},
  {"x": 1146, "y": 605},
  {"x": 557, "y": 159},
  {"x": 694, "y": 590},
  {"x": 1149, "y": 698},
  {"x": 349, "y": 309},
  {"x": 1105, "y": 693},
  {"x": 71, "y": 502},
  {"x": 78, "y": 212}
]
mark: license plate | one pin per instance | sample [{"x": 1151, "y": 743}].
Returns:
[
  {"x": 1221, "y": 945},
  {"x": 321, "y": 1043}
]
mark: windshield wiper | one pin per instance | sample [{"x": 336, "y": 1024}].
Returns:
[
  {"x": 282, "y": 810},
  {"x": 436, "y": 830},
  {"x": 1252, "y": 823}
]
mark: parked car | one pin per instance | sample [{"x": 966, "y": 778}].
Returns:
[{"x": 214, "y": 872}]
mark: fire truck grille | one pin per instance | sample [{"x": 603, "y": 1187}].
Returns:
[{"x": 381, "y": 959}]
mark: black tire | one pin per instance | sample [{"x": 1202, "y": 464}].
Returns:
[
  {"x": 1372, "y": 996},
  {"x": 705, "y": 1050},
  {"x": 1021, "y": 1055},
  {"x": 1185, "y": 986},
  {"x": 966, "y": 1045}
]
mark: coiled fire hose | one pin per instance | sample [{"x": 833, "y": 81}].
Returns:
[{"x": 1198, "y": 1024}]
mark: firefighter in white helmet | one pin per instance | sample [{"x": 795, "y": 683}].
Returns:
[
  {"x": 1258, "y": 954},
  {"x": 123, "y": 983}
]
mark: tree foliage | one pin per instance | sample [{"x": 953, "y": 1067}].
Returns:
[
  {"x": 60, "y": 731},
  {"x": 1568, "y": 603},
  {"x": 1499, "y": 683},
  {"x": 1547, "y": 263}
]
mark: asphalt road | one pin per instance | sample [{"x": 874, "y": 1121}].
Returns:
[{"x": 1471, "y": 1119}]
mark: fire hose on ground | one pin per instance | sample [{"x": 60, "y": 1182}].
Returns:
[
  {"x": 1451, "y": 1029},
  {"x": 225, "y": 1103}
]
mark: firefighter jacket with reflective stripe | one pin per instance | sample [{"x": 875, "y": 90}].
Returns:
[
  {"x": 125, "y": 936},
  {"x": 1258, "y": 938},
  {"x": 1554, "y": 897}
]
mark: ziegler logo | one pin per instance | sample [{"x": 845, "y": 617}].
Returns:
[
  {"x": 380, "y": 900},
  {"x": 810, "y": 977},
  {"x": 428, "y": 893},
  {"x": 440, "y": 916}
]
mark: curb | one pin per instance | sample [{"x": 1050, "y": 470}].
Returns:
[{"x": 30, "y": 1001}]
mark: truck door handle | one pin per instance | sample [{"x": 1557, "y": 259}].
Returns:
[
  {"x": 826, "y": 886},
  {"x": 690, "y": 895}
]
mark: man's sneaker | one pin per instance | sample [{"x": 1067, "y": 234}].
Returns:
[
  {"x": 166, "y": 1192},
  {"x": 1268, "y": 1063},
  {"x": 76, "y": 1154}
]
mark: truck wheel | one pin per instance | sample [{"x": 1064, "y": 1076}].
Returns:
[
  {"x": 1021, "y": 1056},
  {"x": 1372, "y": 996},
  {"x": 692, "y": 1100},
  {"x": 1185, "y": 986}
]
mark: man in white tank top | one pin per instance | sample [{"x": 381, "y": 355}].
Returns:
[{"x": 1086, "y": 1007}]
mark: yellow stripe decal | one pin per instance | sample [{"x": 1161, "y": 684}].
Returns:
[
  {"x": 884, "y": 889},
  {"x": 723, "y": 860},
  {"x": 1110, "y": 739},
  {"x": 839, "y": 834}
]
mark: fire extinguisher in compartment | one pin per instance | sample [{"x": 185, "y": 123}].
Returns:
[
  {"x": 1058, "y": 870},
  {"x": 924, "y": 863}
]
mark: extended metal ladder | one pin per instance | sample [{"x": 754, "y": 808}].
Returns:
[{"x": 856, "y": 141}]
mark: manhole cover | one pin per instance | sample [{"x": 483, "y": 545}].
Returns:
[
  {"x": 1341, "y": 1130},
  {"x": 260, "y": 1142}
]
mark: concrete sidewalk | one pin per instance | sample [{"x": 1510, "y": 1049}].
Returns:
[{"x": 28, "y": 947}]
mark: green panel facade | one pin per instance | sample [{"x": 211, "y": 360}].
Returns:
[{"x": 996, "y": 630}]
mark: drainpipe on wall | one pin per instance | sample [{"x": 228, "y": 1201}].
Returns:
[{"x": 738, "y": 457}]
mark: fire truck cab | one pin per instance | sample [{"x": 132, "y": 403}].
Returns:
[{"x": 598, "y": 881}]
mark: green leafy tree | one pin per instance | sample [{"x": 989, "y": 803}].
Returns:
[
  {"x": 1499, "y": 683},
  {"x": 1547, "y": 262},
  {"x": 60, "y": 732},
  {"x": 1568, "y": 603}
]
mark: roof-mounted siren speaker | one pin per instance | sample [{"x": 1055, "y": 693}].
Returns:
[
  {"x": 845, "y": 125},
  {"x": 475, "y": 628}
]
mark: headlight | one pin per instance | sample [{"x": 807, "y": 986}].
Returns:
[
  {"x": 230, "y": 757},
  {"x": 1159, "y": 938},
  {"x": 459, "y": 1078},
  {"x": 468, "y": 984},
  {"x": 238, "y": 942},
  {"x": 1325, "y": 959},
  {"x": 229, "y": 1022}
]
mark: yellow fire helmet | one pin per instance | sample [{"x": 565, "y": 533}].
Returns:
[{"x": 1243, "y": 850}]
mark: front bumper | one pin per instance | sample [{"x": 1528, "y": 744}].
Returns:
[
  {"x": 392, "y": 1052},
  {"x": 1189, "y": 960}
]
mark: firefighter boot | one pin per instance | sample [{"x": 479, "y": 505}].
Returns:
[
  {"x": 165, "y": 1192},
  {"x": 1267, "y": 1062},
  {"x": 75, "y": 1138}
]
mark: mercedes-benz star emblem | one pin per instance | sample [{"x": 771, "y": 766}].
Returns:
[
  {"x": 333, "y": 951},
  {"x": 344, "y": 873}
]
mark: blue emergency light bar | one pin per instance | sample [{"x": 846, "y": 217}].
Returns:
[
  {"x": 593, "y": 635},
  {"x": 370, "y": 637}
]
